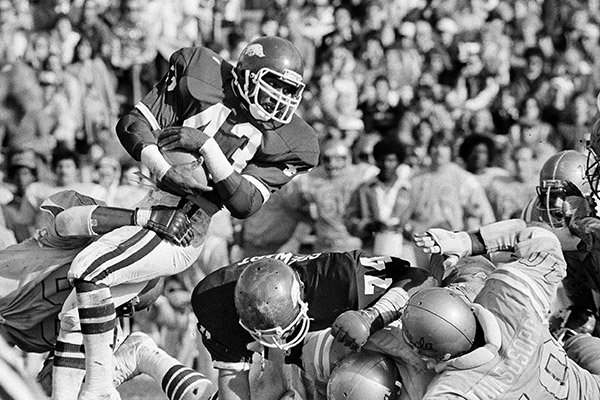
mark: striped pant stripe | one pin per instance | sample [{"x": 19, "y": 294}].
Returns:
[
  {"x": 137, "y": 256},
  {"x": 115, "y": 253}
]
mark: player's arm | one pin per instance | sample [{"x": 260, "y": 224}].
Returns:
[
  {"x": 170, "y": 223},
  {"x": 353, "y": 328},
  {"x": 234, "y": 385},
  {"x": 539, "y": 266}
]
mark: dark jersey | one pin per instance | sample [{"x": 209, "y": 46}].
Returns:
[
  {"x": 334, "y": 282},
  {"x": 198, "y": 91}
]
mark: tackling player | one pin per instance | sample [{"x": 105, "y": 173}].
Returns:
[
  {"x": 33, "y": 275},
  {"x": 240, "y": 121},
  {"x": 286, "y": 301},
  {"x": 499, "y": 345}
]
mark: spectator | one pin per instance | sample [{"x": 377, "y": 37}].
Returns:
[
  {"x": 445, "y": 195},
  {"x": 477, "y": 152},
  {"x": 323, "y": 195},
  {"x": 508, "y": 195},
  {"x": 22, "y": 171},
  {"x": 376, "y": 212},
  {"x": 380, "y": 113},
  {"x": 66, "y": 166},
  {"x": 64, "y": 38},
  {"x": 98, "y": 105}
]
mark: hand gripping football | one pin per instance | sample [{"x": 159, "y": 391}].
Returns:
[{"x": 182, "y": 158}]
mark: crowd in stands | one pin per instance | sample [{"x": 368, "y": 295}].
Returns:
[{"x": 433, "y": 113}]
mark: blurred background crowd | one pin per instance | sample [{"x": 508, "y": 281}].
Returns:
[{"x": 432, "y": 113}]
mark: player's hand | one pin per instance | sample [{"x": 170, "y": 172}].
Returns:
[
  {"x": 179, "y": 180},
  {"x": 182, "y": 138},
  {"x": 353, "y": 328},
  {"x": 170, "y": 223},
  {"x": 588, "y": 230},
  {"x": 452, "y": 245}
]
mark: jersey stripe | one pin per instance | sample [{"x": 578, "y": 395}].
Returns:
[
  {"x": 148, "y": 115},
  {"x": 264, "y": 191},
  {"x": 514, "y": 283}
]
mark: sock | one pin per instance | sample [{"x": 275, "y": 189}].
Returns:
[
  {"x": 68, "y": 368},
  {"x": 97, "y": 318},
  {"x": 176, "y": 380}
]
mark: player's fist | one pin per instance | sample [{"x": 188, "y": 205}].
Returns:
[
  {"x": 183, "y": 138},
  {"x": 169, "y": 223},
  {"x": 353, "y": 328}
]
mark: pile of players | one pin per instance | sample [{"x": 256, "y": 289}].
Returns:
[{"x": 474, "y": 324}]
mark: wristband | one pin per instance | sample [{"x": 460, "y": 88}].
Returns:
[
  {"x": 216, "y": 162},
  {"x": 141, "y": 217},
  {"x": 154, "y": 160}
]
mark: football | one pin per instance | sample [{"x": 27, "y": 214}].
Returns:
[{"x": 180, "y": 158}]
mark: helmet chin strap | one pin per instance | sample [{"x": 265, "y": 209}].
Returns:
[{"x": 258, "y": 113}]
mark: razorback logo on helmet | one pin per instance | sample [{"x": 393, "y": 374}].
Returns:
[{"x": 255, "y": 50}]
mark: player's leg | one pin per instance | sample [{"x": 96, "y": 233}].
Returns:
[
  {"x": 125, "y": 255},
  {"x": 139, "y": 354},
  {"x": 68, "y": 368}
]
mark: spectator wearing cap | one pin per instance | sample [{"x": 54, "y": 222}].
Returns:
[
  {"x": 477, "y": 152},
  {"x": 404, "y": 62},
  {"x": 22, "y": 172}
]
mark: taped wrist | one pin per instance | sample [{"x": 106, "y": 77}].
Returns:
[
  {"x": 141, "y": 217},
  {"x": 216, "y": 162},
  {"x": 390, "y": 305},
  {"x": 154, "y": 160},
  {"x": 134, "y": 133}
]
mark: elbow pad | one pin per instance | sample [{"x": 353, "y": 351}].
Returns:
[
  {"x": 240, "y": 196},
  {"x": 134, "y": 133}
]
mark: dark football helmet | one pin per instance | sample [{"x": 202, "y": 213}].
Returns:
[
  {"x": 562, "y": 175},
  {"x": 268, "y": 76},
  {"x": 438, "y": 324},
  {"x": 269, "y": 299},
  {"x": 366, "y": 375}
]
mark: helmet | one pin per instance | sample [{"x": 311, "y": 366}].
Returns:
[
  {"x": 268, "y": 76},
  {"x": 144, "y": 299},
  {"x": 592, "y": 172},
  {"x": 438, "y": 324},
  {"x": 561, "y": 176},
  {"x": 269, "y": 300},
  {"x": 366, "y": 375}
]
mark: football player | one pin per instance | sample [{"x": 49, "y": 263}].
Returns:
[
  {"x": 241, "y": 122},
  {"x": 563, "y": 192},
  {"x": 499, "y": 345},
  {"x": 33, "y": 275},
  {"x": 282, "y": 304}
]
